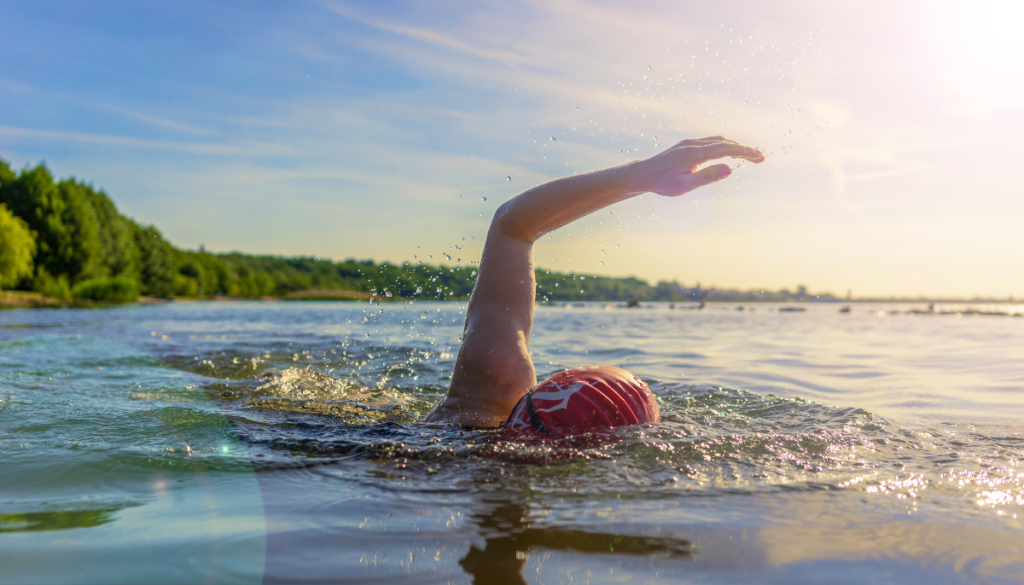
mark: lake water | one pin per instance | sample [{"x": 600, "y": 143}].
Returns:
[{"x": 278, "y": 443}]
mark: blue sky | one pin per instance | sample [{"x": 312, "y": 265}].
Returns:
[{"x": 393, "y": 130}]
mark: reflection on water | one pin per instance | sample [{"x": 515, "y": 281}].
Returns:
[
  {"x": 795, "y": 446},
  {"x": 852, "y": 532},
  {"x": 54, "y": 520},
  {"x": 509, "y": 537}
]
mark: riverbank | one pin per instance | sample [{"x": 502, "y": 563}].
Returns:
[
  {"x": 33, "y": 300},
  {"x": 16, "y": 299}
]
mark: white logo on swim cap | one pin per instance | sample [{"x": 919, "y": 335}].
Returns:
[
  {"x": 564, "y": 392},
  {"x": 518, "y": 423}
]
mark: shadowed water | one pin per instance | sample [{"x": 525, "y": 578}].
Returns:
[{"x": 279, "y": 442}]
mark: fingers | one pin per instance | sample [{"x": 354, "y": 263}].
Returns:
[
  {"x": 713, "y": 147},
  {"x": 712, "y": 151},
  {"x": 699, "y": 141},
  {"x": 715, "y": 173}
]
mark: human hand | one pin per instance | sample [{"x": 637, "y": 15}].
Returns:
[{"x": 674, "y": 171}]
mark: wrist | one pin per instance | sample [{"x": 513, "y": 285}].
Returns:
[{"x": 636, "y": 178}]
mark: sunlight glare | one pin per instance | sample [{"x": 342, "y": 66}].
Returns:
[{"x": 983, "y": 41}]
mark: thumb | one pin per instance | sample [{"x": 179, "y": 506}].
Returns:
[
  {"x": 677, "y": 182},
  {"x": 715, "y": 173}
]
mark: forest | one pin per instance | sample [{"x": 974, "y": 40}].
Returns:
[{"x": 66, "y": 239}]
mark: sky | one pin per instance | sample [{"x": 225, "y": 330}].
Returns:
[{"x": 393, "y": 130}]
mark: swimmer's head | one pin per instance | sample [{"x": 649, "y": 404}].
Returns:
[{"x": 584, "y": 399}]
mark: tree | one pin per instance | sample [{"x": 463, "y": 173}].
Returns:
[
  {"x": 84, "y": 258},
  {"x": 120, "y": 253},
  {"x": 33, "y": 197},
  {"x": 158, "y": 267},
  {"x": 65, "y": 224},
  {"x": 17, "y": 247},
  {"x": 6, "y": 174}
]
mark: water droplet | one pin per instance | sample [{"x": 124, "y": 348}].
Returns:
[
  {"x": 388, "y": 294},
  {"x": 447, "y": 257},
  {"x": 553, "y": 139},
  {"x": 509, "y": 178},
  {"x": 483, "y": 199},
  {"x": 419, "y": 289}
]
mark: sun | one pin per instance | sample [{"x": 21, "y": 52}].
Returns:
[{"x": 983, "y": 41}]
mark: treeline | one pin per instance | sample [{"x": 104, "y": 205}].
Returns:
[
  {"x": 554, "y": 286},
  {"x": 62, "y": 234},
  {"x": 67, "y": 239}
]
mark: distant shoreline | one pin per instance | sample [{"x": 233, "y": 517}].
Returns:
[{"x": 33, "y": 300}]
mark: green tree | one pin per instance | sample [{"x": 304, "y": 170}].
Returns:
[
  {"x": 65, "y": 224},
  {"x": 84, "y": 257},
  {"x": 33, "y": 196},
  {"x": 120, "y": 252},
  {"x": 17, "y": 247},
  {"x": 158, "y": 269},
  {"x": 6, "y": 174}
]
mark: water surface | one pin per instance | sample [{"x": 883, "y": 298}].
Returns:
[{"x": 279, "y": 442}]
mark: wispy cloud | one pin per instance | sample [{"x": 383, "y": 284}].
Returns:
[
  {"x": 150, "y": 119},
  {"x": 430, "y": 36},
  {"x": 242, "y": 149}
]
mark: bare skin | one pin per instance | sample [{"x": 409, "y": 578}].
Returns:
[{"x": 494, "y": 369}]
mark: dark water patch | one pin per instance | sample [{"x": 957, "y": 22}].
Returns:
[
  {"x": 63, "y": 520},
  {"x": 618, "y": 352},
  {"x": 508, "y": 535}
]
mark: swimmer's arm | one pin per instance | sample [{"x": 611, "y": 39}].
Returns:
[{"x": 494, "y": 369}]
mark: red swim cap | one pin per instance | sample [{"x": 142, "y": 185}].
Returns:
[{"x": 583, "y": 399}]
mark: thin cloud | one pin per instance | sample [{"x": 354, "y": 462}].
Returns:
[
  {"x": 247, "y": 149},
  {"x": 135, "y": 115},
  {"x": 430, "y": 36}
]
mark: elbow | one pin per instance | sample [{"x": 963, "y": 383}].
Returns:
[{"x": 507, "y": 222}]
